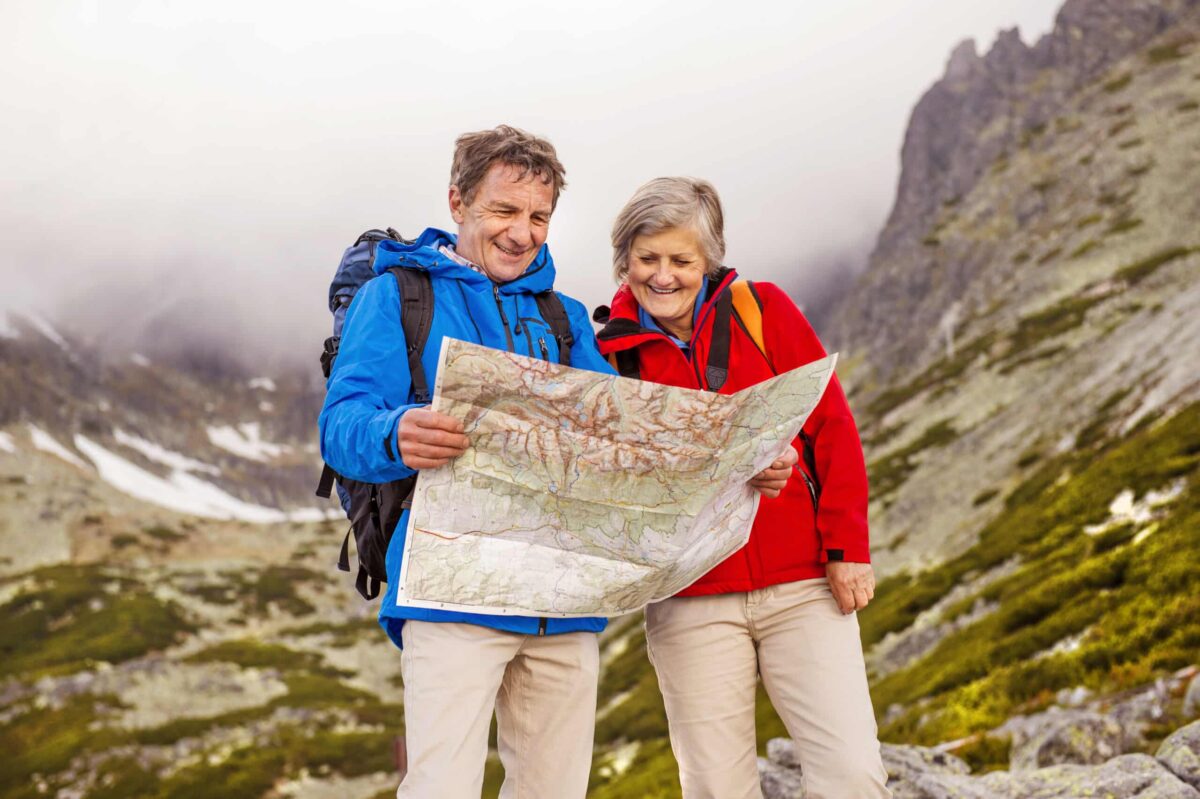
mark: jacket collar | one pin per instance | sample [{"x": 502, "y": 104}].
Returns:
[
  {"x": 622, "y": 319},
  {"x": 424, "y": 254}
]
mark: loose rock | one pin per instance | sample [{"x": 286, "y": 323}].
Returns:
[
  {"x": 1064, "y": 736},
  {"x": 1180, "y": 753}
]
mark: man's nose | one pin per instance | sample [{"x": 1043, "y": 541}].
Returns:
[{"x": 520, "y": 231}]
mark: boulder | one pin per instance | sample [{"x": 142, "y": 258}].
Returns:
[
  {"x": 1124, "y": 777},
  {"x": 779, "y": 782},
  {"x": 1064, "y": 736},
  {"x": 1180, "y": 753},
  {"x": 905, "y": 762},
  {"x": 782, "y": 751},
  {"x": 1191, "y": 698}
]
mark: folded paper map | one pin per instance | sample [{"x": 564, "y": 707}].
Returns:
[{"x": 584, "y": 494}]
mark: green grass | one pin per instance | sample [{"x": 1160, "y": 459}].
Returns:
[
  {"x": 45, "y": 741},
  {"x": 249, "y": 653},
  {"x": 888, "y": 473},
  {"x": 1118, "y": 83},
  {"x": 69, "y": 619},
  {"x": 1122, "y": 225},
  {"x": 937, "y": 375},
  {"x": 1165, "y": 53},
  {"x": 163, "y": 533},
  {"x": 1140, "y": 603},
  {"x": 1049, "y": 256},
  {"x": 1140, "y": 270},
  {"x": 1049, "y": 323},
  {"x": 1085, "y": 248}
]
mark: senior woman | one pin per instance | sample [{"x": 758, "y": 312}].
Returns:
[{"x": 782, "y": 606}]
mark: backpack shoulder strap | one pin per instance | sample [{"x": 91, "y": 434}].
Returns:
[
  {"x": 416, "y": 315},
  {"x": 748, "y": 307},
  {"x": 626, "y": 363},
  {"x": 551, "y": 308}
]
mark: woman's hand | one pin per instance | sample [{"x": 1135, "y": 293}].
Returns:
[
  {"x": 429, "y": 439},
  {"x": 771, "y": 480},
  {"x": 853, "y": 584}
]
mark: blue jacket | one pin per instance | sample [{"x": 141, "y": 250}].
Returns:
[{"x": 370, "y": 389}]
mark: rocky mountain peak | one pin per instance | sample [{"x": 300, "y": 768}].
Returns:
[{"x": 983, "y": 110}]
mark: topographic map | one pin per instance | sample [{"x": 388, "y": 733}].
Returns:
[{"x": 585, "y": 494}]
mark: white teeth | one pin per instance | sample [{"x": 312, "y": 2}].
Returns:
[{"x": 663, "y": 291}]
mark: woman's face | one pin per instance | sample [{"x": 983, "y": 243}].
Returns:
[{"x": 666, "y": 271}]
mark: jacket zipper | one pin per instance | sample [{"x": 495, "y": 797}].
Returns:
[
  {"x": 503, "y": 319},
  {"x": 542, "y": 345}
]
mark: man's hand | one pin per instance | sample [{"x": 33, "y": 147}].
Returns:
[
  {"x": 771, "y": 480},
  {"x": 853, "y": 584},
  {"x": 429, "y": 439}
]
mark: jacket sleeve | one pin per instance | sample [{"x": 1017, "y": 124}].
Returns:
[
  {"x": 585, "y": 352},
  {"x": 368, "y": 390},
  {"x": 841, "y": 471}
]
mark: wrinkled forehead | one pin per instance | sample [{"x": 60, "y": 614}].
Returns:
[{"x": 512, "y": 182}]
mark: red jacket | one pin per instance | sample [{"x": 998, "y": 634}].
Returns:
[{"x": 788, "y": 541}]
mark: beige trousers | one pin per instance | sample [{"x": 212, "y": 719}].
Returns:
[
  {"x": 708, "y": 652},
  {"x": 543, "y": 689}
]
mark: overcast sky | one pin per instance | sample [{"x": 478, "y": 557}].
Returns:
[{"x": 233, "y": 149}]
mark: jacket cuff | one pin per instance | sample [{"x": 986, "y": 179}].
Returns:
[
  {"x": 389, "y": 442},
  {"x": 849, "y": 553}
]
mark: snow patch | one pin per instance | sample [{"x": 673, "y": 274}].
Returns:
[
  {"x": 266, "y": 407},
  {"x": 184, "y": 492},
  {"x": 265, "y": 383},
  {"x": 7, "y": 444},
  {"x": 46, "y": 443},
  {"x": 1064, "y": 646},
  {"x": 620, "y": 759},
  {"x": 1125, "y": 510},
  {"x": 47, "y": 330},
  {"x": 139, "y": 359},
  {"x": 246, "y": 441},
  {"x": 164, "y": 456}
]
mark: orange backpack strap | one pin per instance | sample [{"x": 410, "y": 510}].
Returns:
[{"x": 748, "y": 308}]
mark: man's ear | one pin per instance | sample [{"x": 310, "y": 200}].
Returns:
[{"x": 457, "y": 206}]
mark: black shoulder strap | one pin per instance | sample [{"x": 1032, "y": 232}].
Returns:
[
  {"x": 717, "y": 370},
  {"x": 416, "y": 315},
  {"x": 552, "y": 310},
  {"x": 626, "y": 363}
]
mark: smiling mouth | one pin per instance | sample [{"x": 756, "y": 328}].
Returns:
[
  {"x": 662, "y": 291},
  {"x": 510, "y": 253}
]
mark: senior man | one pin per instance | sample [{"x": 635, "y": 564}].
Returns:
[{"x": 539, "y": 674}]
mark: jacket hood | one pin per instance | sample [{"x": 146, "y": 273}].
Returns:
[
  {"x": 621, "y": 320},
  {"x": 424, "y": 253}
]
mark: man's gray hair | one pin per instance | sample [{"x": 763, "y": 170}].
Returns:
[
  {"x": 475, "y": 153},
  {"x": 665, "y": 203}
]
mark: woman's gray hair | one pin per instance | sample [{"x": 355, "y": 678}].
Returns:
[{"x": 665, "y": 203}]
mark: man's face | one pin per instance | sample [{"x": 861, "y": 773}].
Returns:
[{"x": 506, "y": 223}]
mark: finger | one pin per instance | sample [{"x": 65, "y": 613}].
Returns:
[
  {"x": 422, "y": 450},
  {"x": 860, "y": 598},
  {"x": 436, "y": 421},
  {"x": 416, "y": 462},
  {"x": 438, "y": 438},
  {"x": 843, "y": 596}
]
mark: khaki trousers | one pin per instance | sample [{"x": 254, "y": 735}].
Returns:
[
  {"x": 708, "y": 652},
  {"x": 543, "y": 689}
]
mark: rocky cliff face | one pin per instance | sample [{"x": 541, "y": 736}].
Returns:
[{"x": 984, "y": 113}]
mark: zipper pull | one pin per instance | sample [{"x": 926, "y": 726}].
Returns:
[
  {"x": 500, "y": 305},
  {"x": 545, "y": 352}
]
